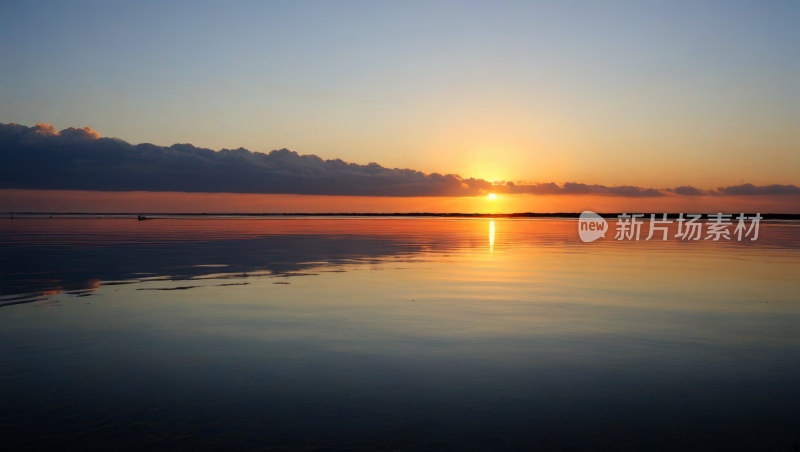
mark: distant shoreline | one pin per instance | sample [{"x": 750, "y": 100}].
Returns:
[{"x": 156, "y": 216}]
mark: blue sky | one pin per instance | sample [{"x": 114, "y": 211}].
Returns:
[{"x": 642, "y": 93}]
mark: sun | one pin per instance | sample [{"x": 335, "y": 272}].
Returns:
[{"x": 492, "y": 196}]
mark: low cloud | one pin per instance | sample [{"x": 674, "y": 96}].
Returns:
[
  {"x": 741, "y": 190},
  {"x": 40, "y": 157},
  {"x": 575, "y": 188},
  {"x": 750, "y": 189},
  {"x": 689, "y": 191}
]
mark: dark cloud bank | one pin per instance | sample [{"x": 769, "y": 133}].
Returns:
[{"x": 80, "y": 159}]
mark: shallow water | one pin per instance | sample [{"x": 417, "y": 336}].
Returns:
[{"x": 394, "y": 334}]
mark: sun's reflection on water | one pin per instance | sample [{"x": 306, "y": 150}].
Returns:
[{"x": 491, "y": 236}]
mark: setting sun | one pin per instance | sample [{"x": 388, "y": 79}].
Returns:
[{"x": 492, "y": 196}]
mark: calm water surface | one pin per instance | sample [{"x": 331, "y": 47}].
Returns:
[{"x": 394, "y": 334}]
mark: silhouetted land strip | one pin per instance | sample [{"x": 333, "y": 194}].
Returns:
[{"x": 155, "y": 216}]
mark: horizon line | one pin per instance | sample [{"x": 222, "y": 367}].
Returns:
[{"x": 155, "y": 216}]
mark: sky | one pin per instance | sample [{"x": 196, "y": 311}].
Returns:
[
  {"x": 134, "y": 202},
  {"x": 645, "y": 94}
]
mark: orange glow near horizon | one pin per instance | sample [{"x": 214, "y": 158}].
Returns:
[{"x": 65, "y": 201}]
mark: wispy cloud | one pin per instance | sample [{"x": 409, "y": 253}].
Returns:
[
  {"x": 41, "y": 157},
  {"x": 741, "y": 190}
]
